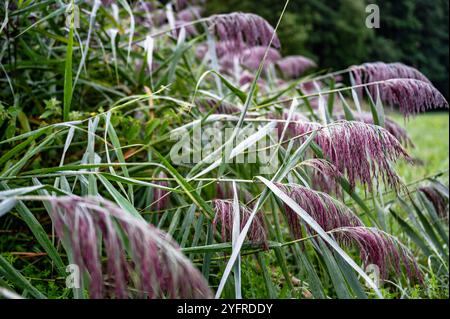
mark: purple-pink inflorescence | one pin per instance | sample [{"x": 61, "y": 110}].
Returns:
[
  {"x": 380, "y": 71},
  {"x": 325, "y": 176},
  {"x": 391, "y": 126},
  {"x": 224, "y": 214},
  {"x": 252, "y": 57},
  {"x": 243, "y": 30},
  {"x": 190, "y": 14},
  {"x": 375, "y": 246},
  {"x": 294, "y": 66},
  {"x": 437, "y": 200},
  {"x": 411, "y": 96},
  {"x": 362, "y": 152},
  {"x": 325, "y": 210},
  {"x": 379, "y": 248},
  {"x": 141, "y": 260}
]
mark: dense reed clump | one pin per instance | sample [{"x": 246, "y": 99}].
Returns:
[
  {"x": 90, "y": 121},
  {"x": 225, "y": 215},
  {"x": 148, "y": 261}
]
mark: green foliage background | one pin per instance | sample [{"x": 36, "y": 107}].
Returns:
[{"x": 334, "y": 34}]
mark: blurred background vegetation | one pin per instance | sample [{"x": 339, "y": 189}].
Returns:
[{"x": 334, "y": 34}]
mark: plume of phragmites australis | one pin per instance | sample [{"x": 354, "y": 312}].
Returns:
[
  {"x": 401, "y": 85},
  {"x": 147, "y": 264},
  {"x": 252, "y": 57},
  {"x": 294, "y": 66},
  {"x": 391, "y": 126},
  {"x": 379, "y": 248},
  {"x": 190, "y": 14},
  {"x": 325, "y": 210},
  {"x": 411, "y": 96},
  {"x": 361, "y": 152},
  {"x": 243, "y": 30},
  {"x": 375, "y": 247},
  {"x": 380, "y": 71},
  {"x": 224, "y": 214},
  {"x": 325, "y": 176},
  {"x": 437, "y": 200}
]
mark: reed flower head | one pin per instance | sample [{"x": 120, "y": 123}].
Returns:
[
  {"x": 243, "y": 30},
  {"x": 252, "y": 57},
  {"x": 224, "y": 214},
  {"x": 411, "y": 96},
  {"x": 379, "y": 71},
  {"x": 190, "y": 14},
  {"x": 361, "y": 152},
  {"x": 381, "y": 249},
  {"x": 325, "y": 210},
  {"x": 294, "y": 66},
  {"x": 139, "y": 257},
  {"x": 325, "y": 176},
  {"x": 437, "y": 200},
  {"x": 375, "y": 246},
  {"x": 392, "y": 127}
]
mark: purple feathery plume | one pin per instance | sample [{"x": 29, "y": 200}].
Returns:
[
  {"x": 190, "y": 14},
  {"x": 160, "y": 196},
  {"x": 325, "y": 210},
  {"x": 361, "y": 152},
  {"x": 437, "y": 200},
  {"x": 379, "y": 71},
  {"x": 243, "y": 30},
  {"x": 219, "y": 107},
  {"x": 294, "y": 66},
  {"x": 411, "y": 96},
  {"x": 157, "y": 268},
  {"x": 228, "y": 62},
  {"x": 325, "y": 175},
  {"x": 375, "y": 246},
  {"x": 224, "y": 213},
  {"x": 391, "y": 126},
  {"x": 252, "y": 57},
  {"x": 379, "y": 248}
]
